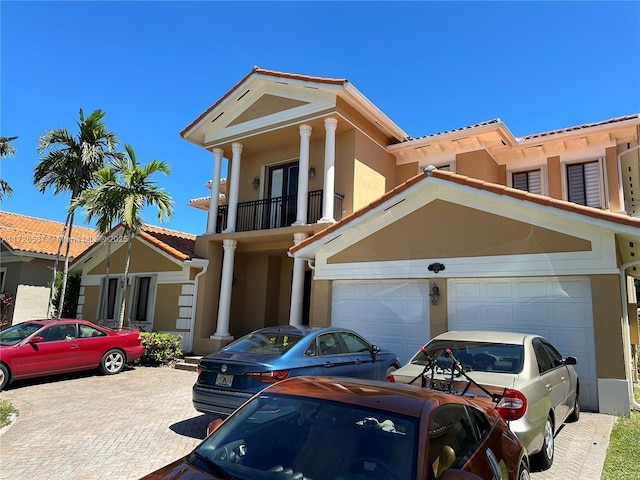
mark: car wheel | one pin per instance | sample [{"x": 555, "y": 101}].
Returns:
[
  {"x": 544, "y": 458},
  {"x": 575, "y": 413},
  {"x": 112, "y": 362},
  {"x": 523, "y": 473},
  {"x": 4, "y": 376},
  {"x": 390, "y": 370}
]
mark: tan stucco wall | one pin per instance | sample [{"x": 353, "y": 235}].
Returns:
[
  {"x": 374, "y": 171},
  {"x": 607, "y": 324},
  {"x": 166, "y": 310},
  {"x": 320, "y": 314},
  {"x": 406, "y": 171},
  {"x": 91, "y": 302},
  {"x": 344, "y": 170},
  {"x": 554, "y": 177},
  {"x": 478, "y": 164},
  {"x": 441, "y": 238},
  {"x": 362, "y": 123},
  {"x": 143, "y": 259},
  {"x": 611, "y": 168}
]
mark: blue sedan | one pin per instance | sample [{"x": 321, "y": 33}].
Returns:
[{"x": 229, "y": 377}]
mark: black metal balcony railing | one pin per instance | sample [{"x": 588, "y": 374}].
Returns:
[{"x": 276, "y": 212}]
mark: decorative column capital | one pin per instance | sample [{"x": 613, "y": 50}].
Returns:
[
  {"x": 229, "y": 245},
  {"x": 218, "y": 153},
  {"x": 236, "y": 148},
  {"x": 305, "y": 130},
  {"x": 330, "y": 123},
  {"x": 299, "y": 237}
]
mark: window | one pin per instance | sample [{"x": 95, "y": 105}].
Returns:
[
  {"x": 112, "y": 293},
  {"x": 354, "y": 343},
  {"x": 3, "y": 276},
  {"x": 584, "y": 184},
  {"x": 530, "y": 181},
  {"x": 329, "y": 344},
  {"x": 554, "y": 355},
  {"x": 87, "y": 331},
  {"x": 141, "y": 304},
  {"x": 542, "y": 357}
]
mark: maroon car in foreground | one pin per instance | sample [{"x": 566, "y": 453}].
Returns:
[
  {"x": 36, "y": 348},
  {"x": 338, "y": 428}
]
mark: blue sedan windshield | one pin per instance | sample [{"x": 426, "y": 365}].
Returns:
[{"x": 263, "y": 343}]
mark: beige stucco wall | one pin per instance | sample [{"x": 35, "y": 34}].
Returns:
[
  {"x": 91, "y": 302},
  {"x": 143, "y": 259},
  {"x": 441, "y": 238},
  {"x": 607, "y": 323},
  {"x": 478, "y": 164},
  {"x": 374, "y": 171},
  {"x": 166, "y": 310},
  {"x": 611, "y": 169},
  {"x": 554, "y": 177}
]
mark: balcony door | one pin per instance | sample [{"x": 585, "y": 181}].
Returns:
[{"x": 283, "y": 191}]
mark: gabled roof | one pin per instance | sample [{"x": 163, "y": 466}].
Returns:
[
  {"x": 589, "y": 212},
  {"x": 582, "y": 127},
  {"x": 23, "y": 234}
]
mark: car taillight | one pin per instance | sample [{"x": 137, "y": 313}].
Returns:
[
  {"x": 201, "y": 368},
  {"x": 512, "y": 405},
  {"x": 269, "y": 377},
  {"x": 390, "y": 378}
]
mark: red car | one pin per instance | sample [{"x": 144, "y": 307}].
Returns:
[
  {"x": 36, "y": 348},
  {"x": 338, "y": 428}
]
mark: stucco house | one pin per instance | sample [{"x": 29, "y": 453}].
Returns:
[
  {"x": 162, "y": 281},
  {"x": 334, "y": 215},
  {"x": 28, "y": 250}
]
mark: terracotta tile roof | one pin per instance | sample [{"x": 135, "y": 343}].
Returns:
[
  {"x": 22, "y": 233},
  {"x": 261, "y": 71},
  {"x": 181, "y": 245},
  {"x": 581, "y": 127},
  {"x": 495, "y": 121},
  {"x": 617, "y": 218}
]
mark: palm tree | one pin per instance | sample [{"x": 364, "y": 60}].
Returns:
[
  {"x": 6, "y": 150},
  {"x": 131, "y": 191},
  {"x": 68, "y": 165},
  {"x": 96, "y": 206}
]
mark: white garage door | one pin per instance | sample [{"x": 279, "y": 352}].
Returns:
[
  {"x": 392, "y": 315},
  {"x": 559, "y": 309}
]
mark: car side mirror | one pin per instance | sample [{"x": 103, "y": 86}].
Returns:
[
  {"x": 570, "y": 361},
  {"x": 375, "y": 349},
  {"x": 458, "y": 475},
  {"x": 36, "y": 339},
  {"x": 213, "y": 426}
]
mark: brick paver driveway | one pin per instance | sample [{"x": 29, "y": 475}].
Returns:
[{"x": 124, "y": 426}]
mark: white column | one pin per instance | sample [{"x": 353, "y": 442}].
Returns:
[
  {"x": 232, "y": 190},
  {"x": 330, "y": 125},
  {"x": 224, "y": 306},
  {"x": 303, "y": 176},
  {"x": 297, "y": 285},
  {"x": 212, "y": 218}
]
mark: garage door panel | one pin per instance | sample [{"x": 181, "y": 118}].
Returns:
[
  {"x": 392, "y": 315},
  {"x": 559, "y": 309}
]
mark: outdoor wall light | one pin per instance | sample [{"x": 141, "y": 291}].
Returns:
[
  {"x": 436, "y": 267},
  {"x": 312, "y": 172},
  {"x": 434, "y": 294},
  {"x": 255, "y": 183}
]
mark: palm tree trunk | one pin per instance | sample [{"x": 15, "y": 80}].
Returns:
[
  {"x": 126, "y": 273},
  {"x": 105, "y": 291},
  {"x": 55, "y": 265},
  {"x": 65, "y": 272}
]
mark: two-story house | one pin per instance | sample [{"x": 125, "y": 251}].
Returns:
[{"x": 334, "y": 215}]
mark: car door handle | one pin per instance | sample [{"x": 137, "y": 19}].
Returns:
[
  {"x": 328, "y": 364},
  {"x": 73, "y": 345},
  {"x": 357, "y": 362},
  {"x": 548, "y": 385},
  {"x": 562, "y": 378}
]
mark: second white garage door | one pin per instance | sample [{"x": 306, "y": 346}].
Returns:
[
  {"x": 391, "y": 314},
  {"x": 559, "y": 309}
]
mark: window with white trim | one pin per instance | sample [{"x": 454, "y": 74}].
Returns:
[
  {"x": 142, "y": 299},
  {"x": 585, "y": 183},
  {"x": 529, "y": 181},
  {"x": 3, "y": 276}
]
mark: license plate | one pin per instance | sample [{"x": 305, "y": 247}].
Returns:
[{"x": 223, "y": 380}]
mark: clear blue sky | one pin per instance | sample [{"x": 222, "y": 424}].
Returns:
[{"x": 153, "y": 67}]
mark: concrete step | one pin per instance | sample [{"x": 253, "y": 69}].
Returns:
[{"x": 189, "y": 363}]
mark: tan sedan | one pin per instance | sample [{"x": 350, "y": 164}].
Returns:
[{"x": 538, "y": 387}]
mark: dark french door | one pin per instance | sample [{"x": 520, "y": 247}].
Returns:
[{"x": 283, "y": 191}]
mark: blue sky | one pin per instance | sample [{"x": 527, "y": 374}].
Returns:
[{"x": 153, "y": 67}]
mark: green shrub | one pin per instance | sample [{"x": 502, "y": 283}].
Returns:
[{"x": 160, "y": 348}]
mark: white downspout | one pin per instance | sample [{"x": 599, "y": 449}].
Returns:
[
  {"x": 625, "y": 328},
  {"x": 192, "y": 320}
]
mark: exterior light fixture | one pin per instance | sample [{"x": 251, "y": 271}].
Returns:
[
  {"x": 434, "y": 294},
  {"x": 436, "y": 267},
  {"x": 312, "y": 172},
  {"x": 255, "y": 183}
]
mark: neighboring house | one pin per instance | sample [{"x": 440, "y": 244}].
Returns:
[
  {"x": 533, "y": 233},
  {"x": 161, "y": 283},
  {"x": 28, "y": 250}
]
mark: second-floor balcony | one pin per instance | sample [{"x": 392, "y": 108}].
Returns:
[{"x": 276, "y": 212}]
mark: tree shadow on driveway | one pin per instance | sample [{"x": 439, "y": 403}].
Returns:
[{"x": 195, "y": 427}]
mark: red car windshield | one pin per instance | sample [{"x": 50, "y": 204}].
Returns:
[
  {"x": 263, "y": 343},
  {"x": 17, "y": 333},
  {"x": 474, "y": 355}
]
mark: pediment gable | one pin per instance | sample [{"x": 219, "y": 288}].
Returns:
[{"x": 266, "y": 105}]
